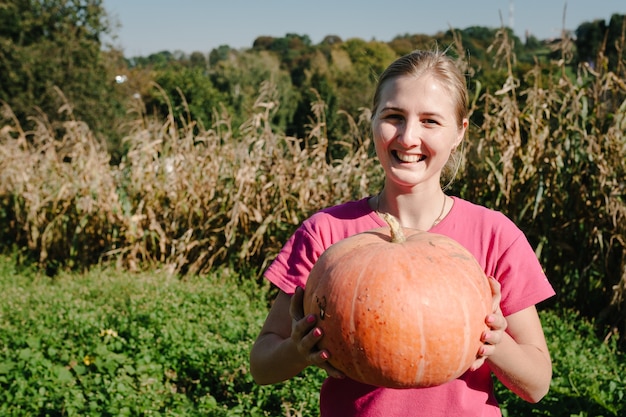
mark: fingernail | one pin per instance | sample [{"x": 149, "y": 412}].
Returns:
[
  {"x": 317, "y": 332},
  {"x": 310, "y": 318},
  {"x": 324, "y": 355}
]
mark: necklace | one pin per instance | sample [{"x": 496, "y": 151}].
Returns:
[
  {"x": 440, "y": 217},
  {"x": 437, "y": 220}
]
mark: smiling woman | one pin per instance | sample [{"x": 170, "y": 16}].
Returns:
[{"x": 419, "y": 118}]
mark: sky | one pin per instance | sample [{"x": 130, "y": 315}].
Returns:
[{"x": 150, "y": 26}]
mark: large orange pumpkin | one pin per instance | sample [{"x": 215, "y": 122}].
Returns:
[{"x": 399, "y": 307}]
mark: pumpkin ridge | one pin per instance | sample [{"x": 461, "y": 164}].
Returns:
[
  {"x": 466, "y": 340},
  {"x": 421, "y": 365},
  {"x": 353, "y": 329}
]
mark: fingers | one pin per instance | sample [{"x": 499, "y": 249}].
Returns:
[
  {"x": 495, "y": 293},
  {"x": 296, "y": 308},
  {"x": 496, "y": 322},
  {"x": 484, "y": 351},
  {"x": 491, "y": 337},
  {"x": 331, "y": 371},
  {"x": 303, "y": 331},
  {"x": 305, "y": 334},
  {"x": 480, "y": 360},
  {"x": 497, "y": 325}
]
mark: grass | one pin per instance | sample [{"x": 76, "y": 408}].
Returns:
[
  {"x": 113, "y": 343},
  {"x": 589, "y": 373}
]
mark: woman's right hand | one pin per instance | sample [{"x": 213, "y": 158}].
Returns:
[{"x": 305, "y": 335}]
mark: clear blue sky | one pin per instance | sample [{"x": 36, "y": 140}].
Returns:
[{"x": 200, "y": 25}]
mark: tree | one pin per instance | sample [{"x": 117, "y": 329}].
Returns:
[
  {"x": 356, "y": 82},
  {"x": 589, "y": 40},
  {"x": 51, "y": 52},
  {"x": 221, "y": 53},
  {"x": 593, "y": 38},
  {"x": 331, "y": 40},
  {"x": 187, "y": 92},
  {"x": 615, "y": 40}
]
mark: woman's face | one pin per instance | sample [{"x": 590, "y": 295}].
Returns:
[{"x": 415, "y": 129}]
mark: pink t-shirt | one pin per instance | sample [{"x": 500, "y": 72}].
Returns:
[{"x": 500, "y": 248}]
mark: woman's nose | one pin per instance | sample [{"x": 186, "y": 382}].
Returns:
[{"x": 410, "y": 136}]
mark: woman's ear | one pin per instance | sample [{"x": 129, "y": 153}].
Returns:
[{"x": 462, "y": 131}]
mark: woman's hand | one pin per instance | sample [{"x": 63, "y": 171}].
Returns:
[
  {"x": 305, "y": 336},
  {"x": 497, "y": 325}
]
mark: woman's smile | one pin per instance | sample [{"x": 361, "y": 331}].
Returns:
[{"x": 408, "y": 158}]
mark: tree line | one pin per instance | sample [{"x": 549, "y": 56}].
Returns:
[{"x": 54, "y": 62}]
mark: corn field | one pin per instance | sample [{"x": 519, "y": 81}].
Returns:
[{"x": 550, "y": 155}]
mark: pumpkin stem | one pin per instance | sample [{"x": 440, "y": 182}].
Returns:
[{"x": 397, "y": 236}]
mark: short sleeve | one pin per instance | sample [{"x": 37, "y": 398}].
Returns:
[
  {"x": 294, "y": 262},
  {"x": 502, "y": 250},
  {"x": 521, "y": 276}
]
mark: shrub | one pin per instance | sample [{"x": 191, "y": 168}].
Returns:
[
  {"x": 549, "y": 152},
  {"x": 588, "y": 373},
  {"x": 110, "y": 343},
  {"x": 179, "y": 197}
]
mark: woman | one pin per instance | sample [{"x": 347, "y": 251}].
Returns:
[{"x": 419, "y": 118}]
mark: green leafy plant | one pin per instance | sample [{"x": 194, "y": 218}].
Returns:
[
  {"x": 110, "y": 343},
  {"x": 113, "y": 344},
  {"x": 589, "y": 374}
]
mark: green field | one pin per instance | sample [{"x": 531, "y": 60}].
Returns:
[{"x": 109, "y": 343}]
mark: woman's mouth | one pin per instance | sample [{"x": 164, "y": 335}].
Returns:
[{"x": 408, "y": 158}]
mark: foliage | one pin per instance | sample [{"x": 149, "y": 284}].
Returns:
[
  {"x": 550, "y": 155},
  {"x": 223, "y": 157},
  {"x": 52, "y": 46},
  {"x": 547, "y": 149},
  {"x": 239, "y": 79},
  {"x": 182, "y": 196},
  {"x": 588, "y": 377},
  {"x": 112, "y": 343},
  {"x": 52, "y": 56},
  {"x": 195, "y": 96},
  {"x": 598, "y": 37}
]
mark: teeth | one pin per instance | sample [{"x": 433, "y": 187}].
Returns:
[{"x": 409, "y": 158}]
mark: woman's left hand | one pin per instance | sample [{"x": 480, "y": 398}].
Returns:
[{"x": 497, "y": 325}]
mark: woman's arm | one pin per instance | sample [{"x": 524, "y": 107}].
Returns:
[
  {"x": 519, "y": 356},
  {"x": 287, "y": 342},
  {"x": 516, "y": 351}
]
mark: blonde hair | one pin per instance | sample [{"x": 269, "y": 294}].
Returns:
[{"x": 443, "y": 68}]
